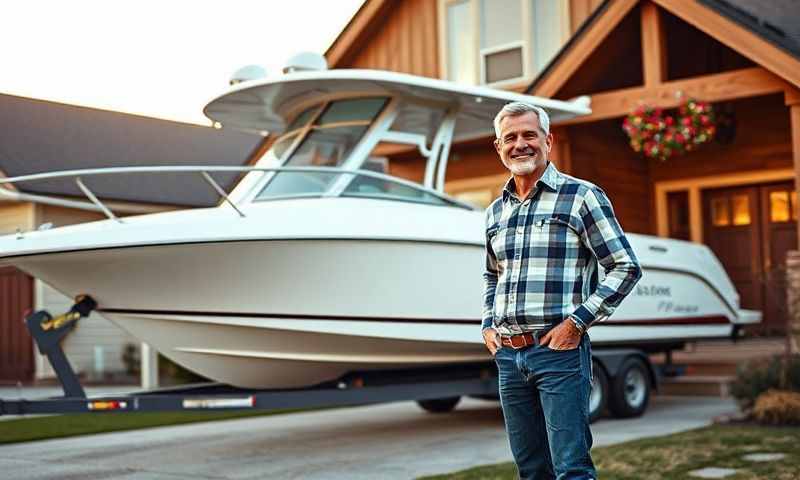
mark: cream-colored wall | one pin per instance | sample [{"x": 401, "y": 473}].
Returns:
[
  {"x": 14, "y": 216},
  {"x": 61, "y": 216}
]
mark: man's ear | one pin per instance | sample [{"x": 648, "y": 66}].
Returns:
[
  {"x": 549, "y": 140},
  {"x": 496, "y": 144}
]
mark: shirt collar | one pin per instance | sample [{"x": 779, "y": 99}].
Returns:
[{"x": 550, "y": 179}]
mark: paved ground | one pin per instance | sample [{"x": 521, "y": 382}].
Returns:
[{"x": 384, "y": 441}]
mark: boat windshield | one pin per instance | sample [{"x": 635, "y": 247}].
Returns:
[
  {"x": 325, "y": 146},
  {"x": 320, "y": 137}
]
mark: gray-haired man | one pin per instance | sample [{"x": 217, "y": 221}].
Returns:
[{"x": 545, "y": 236}]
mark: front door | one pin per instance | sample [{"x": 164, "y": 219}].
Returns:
[{"x": 750, "y": 229}]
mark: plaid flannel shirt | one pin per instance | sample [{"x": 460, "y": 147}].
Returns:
[{"x": 542, "y": 254}]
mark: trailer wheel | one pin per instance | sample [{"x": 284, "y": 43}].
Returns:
[
  {"x": 630, "y": 390},
  {"x": 598, "y": 398},
  {"x": 439, "y": 405}
]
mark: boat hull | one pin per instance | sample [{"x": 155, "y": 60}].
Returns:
[{"x": 291, "y": 313}]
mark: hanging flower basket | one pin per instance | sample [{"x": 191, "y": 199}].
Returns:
[{"x": 661, "y": 136}]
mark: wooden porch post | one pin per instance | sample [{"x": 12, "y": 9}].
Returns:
[
  {"x": 654, "y": 49},
  {"x": 792, "y": 100}
]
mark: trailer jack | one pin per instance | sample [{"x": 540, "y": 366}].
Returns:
[{"x": 48, "y": 332}]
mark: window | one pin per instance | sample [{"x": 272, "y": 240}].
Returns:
[
  {"x": 741, "y": 209},
  {"x": 678, "y": 214},
  {"x": 501, "y": 40},
  {"x": 720, "y": 214},
  {"x": 327, "y": 143},
  {"x": 496, "y": 41},
  {"x": 460, "y": 40},
  {"x": 369, "y": 187},
  {"x": 779, "y": 206}
]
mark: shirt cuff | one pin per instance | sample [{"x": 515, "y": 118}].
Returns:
[
  {"x": 486, "y": 323},
  {"x": 583, "y": 316}
]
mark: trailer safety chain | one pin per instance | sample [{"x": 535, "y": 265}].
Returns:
[{"x": 48, "y": 332}]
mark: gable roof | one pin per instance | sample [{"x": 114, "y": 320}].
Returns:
[
  {"x": 777, "y": 21},
  {"x": 749, "y": 35},
  {"x": 365, "y": 21},
  {"x": 39, "y": 136}
]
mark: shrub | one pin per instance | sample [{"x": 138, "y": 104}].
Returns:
[
  {"x": 758, "y": 376},
  {"x": 776, "y": 407}
]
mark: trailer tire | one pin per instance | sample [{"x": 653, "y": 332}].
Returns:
[
  {"x": 598, "y": 397},
  {"x": 630, "y": 390},
  {"x": 439, "y": 405}
]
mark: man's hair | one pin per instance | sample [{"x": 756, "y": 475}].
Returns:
[{"x": 514, "y": 109}]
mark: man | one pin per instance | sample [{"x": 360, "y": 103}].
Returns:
[{"x": 545, "y": 236}]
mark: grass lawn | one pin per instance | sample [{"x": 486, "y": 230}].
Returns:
[
  {"x": 55, "y": 426},
  {"x": 673, "y": 456}
]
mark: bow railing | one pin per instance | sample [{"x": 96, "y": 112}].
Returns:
[{"x": 97, "y": 204}]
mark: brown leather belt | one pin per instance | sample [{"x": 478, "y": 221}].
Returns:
[{"x": 518, "y": 341}]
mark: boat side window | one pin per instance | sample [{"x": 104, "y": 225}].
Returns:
[
  {"x": 328, "y": 143},
  {"x": 370, "y": 187}
]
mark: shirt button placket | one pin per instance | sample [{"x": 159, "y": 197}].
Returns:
[{"x": 518, "y": 247}]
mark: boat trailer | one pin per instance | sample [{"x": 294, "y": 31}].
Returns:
[{"x": 435, "y": 389}]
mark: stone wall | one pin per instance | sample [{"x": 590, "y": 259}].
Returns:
[{"x": 793, "y": 297}]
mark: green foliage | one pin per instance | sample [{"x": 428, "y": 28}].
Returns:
[
  {"x": 57, "y": 426},
  {"x": 758, "y": 376}
]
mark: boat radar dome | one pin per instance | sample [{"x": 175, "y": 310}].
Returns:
[
  {"x": 306, "y": 61},
  {"x": 247, "y": 73}
]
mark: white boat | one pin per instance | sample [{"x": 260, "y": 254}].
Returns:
[{"x": 316, "y": 265}]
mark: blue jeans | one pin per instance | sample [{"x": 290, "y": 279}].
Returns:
[{"x": 545, "y": 399}]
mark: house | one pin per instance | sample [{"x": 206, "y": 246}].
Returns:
[
  {"x": 737, "y": 193},
  {"x": 42, "y": 136}
]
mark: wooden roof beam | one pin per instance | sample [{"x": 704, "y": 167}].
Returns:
[
  {"x": 357, "y": 30},
  {"x": 747, "y": 82},
  {"x": 583, "y": 48},
  {"x": 654, "y": 45},
  {"x": 735, "y": 36}
]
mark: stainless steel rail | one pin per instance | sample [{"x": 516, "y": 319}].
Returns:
[{"x": 96, "y": 204}]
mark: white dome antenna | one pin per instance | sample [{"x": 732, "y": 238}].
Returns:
[
  {"x": 247, "y": 74},
  {"x": 305, "y": 61}
]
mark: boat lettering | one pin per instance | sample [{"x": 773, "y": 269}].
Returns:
[
  {"x": 665, "y": 306},
  {"x": 653, "y": 291}
]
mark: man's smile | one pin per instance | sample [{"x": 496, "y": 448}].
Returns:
[{"x": 523, "y": 156}]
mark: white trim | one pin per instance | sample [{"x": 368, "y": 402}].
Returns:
[{"x": 483, "y": 53}]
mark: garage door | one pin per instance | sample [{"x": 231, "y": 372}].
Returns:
[{"x": 16, "y": 348}]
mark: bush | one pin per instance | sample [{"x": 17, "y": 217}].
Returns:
[
  {"x": 758, "y": 376},
  {"x": 776, "y": 407}
]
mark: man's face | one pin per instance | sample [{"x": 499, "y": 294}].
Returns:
[{"x": 522, "y": 146}]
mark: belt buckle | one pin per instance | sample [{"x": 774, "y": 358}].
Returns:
[{"x": 521, "y": 345}]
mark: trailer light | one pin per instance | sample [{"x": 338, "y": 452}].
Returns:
[
  {"x": 247, "y": 402},
  {"x": 107, "y": 405}
]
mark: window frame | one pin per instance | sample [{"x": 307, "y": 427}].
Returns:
[{"x": 526, "y": 42}]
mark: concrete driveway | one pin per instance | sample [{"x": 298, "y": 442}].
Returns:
[{"x": 383, "y": 441}]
